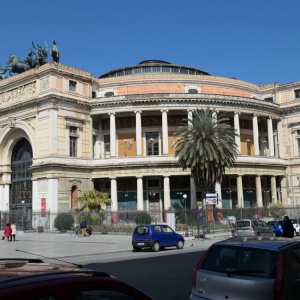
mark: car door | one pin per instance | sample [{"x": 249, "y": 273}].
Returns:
[{"x": 169, "y": 235}]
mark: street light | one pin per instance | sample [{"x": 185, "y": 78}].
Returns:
[
  {"x": 23, "y": 202},
  {"x": 185, "y": 197}
]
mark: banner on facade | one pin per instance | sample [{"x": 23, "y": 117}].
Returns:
[
  {"x": 43, "y": 207},
  {"x": 211, "y": 198}
]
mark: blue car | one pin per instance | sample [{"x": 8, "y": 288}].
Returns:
[
  {"x": 277, "y": 226},
  {"x": 156, "y": 237}
]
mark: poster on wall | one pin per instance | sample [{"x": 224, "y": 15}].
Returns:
[
  {"x": 211, "y": 198},
  {"x": 43, "y": 207}
]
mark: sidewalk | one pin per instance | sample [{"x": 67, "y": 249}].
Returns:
[{"x": 65, "y": 246}]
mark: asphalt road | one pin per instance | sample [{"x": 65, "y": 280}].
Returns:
[{"x": 166, "y": 277}]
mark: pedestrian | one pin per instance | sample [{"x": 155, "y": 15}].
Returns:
[
  {"x": 288, "y": 227},
  {"x": 7, "y": 232},
  {"x": 83, "y": 226},
  {"x": 13, "y": 231}
]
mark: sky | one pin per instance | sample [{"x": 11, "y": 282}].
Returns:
[{"x": 252, "y": 40}]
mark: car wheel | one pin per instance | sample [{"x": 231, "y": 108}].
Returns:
[
  {"x": 156, "y": 247},
  {"x": 136, "y": 249},
  {"x": 180, "y": 244}
]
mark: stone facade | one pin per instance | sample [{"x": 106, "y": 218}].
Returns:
[{"x": 116, "y": 134}]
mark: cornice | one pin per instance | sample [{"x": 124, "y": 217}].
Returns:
[{"x": 170, "y": 100}]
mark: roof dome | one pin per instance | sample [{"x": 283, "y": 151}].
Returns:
[{"x": 153, "y": 66}]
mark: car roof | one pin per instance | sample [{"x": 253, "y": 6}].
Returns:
[{"x": 273, "y": 243}]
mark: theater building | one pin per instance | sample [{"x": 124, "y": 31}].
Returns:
[{"x": 64, "y": 132}]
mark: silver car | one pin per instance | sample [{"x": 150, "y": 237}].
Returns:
[
  {"x": 250, "y": 268},
  {"x": 248, "y": 227}
]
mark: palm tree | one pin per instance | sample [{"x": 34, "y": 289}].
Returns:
[
  {"x": 206, "y": 145},
  {"x": 93, "y": 200},
  {"x": 91, "y": 205}
]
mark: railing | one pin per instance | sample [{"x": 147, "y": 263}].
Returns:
[{"x": 211, "y": 219}]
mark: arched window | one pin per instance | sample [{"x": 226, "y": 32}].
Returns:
[
  {"x": 21, "y": 187},
  {"x": 74, "y": 195}
]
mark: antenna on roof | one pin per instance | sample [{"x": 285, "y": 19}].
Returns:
[{"x": 77, "y": 265}]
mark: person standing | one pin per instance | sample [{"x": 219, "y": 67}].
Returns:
[
  {"x": 7, "y": 231},
  {"x": 83, "y": 226},
  {"x": 288, "y": 227},
  {"x": 13, "y": 231}
]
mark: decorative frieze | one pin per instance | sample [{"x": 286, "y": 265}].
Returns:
[{"x": 20, "y": 93}]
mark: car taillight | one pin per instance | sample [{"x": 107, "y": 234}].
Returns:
[
  {"x": 199, "y": 265},
  {"x": 279, "y": 278}
]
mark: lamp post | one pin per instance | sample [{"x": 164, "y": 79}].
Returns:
[
  {"x": 185, "y": 215},
  {"x": 23, "y": 205}
]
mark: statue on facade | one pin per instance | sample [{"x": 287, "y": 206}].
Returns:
[
  {"x": 30, "y": 59},
  {"x": 41, "y": 54},
  {"x": 36, "y": 57},
  {"x": 2, "y": 73},
  {"x": 54, "y": 52},
  {"x": 15, "y": 65}
]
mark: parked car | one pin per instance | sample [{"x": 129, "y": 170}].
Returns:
[
  {"x": 296, "y": 226},
  {"x": 249, "y": 268},
  {"x": 33, "y": 279},
  {"x": 156, "y": 237},
  {"x": 248, "y": 227},
  {"x": 277, "y": 227}
]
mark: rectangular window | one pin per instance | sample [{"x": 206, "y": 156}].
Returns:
[
  {"x": 152, "y": 142},
  {"x": 297, "y": 93},
  {"x": 107, "y": 143},
  {"x": 73, "y": 135},
  {"x": 72, "y": 85}
]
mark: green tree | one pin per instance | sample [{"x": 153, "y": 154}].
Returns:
[
  {"x": 206, "y": 145},
  {"x": 93, "y": 200},
  {"x": 91, "y": 206},
  {"x": 277, "y": 211}
]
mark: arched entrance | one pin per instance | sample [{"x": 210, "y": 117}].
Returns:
[{"x": 20, "y": 203}]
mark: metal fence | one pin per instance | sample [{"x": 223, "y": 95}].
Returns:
[{"x": 210, "y": 219}]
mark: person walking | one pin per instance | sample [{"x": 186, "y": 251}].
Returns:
[
  {"x": 13, "y": 231},
  {"x": 288, "y": 227},
  {"x": 7, "y": 231},
  {"x": 83, "y": 226}
]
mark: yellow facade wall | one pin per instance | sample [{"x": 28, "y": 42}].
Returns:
[
  {"x": 244, "y": 144},
  {"x": 151, "y": 89},
  {"x": 126, "y": 144},
  {"x": 224, "y": 91}
]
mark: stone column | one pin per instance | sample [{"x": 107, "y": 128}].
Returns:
[
  {"x": 218, "y": 190},
  {"x": 273, "y": 190},
  {"x": 165, "y": 142},
  {"x": 237, "y": 130},
  {"x": 53, "y": 132},
  {"x": 255, "y": 135},
  {"x": 190, "y": 117},
  {"x": 270, "y": 137},
  {"x": 193, "y": 193},
  {"x": 283, "y": 188},
  {"x": 280, "y": 138},
  {"x": 140, "y": 194},
  {"x": 112, "y": 134},
  {"x": 114, "y": 194},
  {"x": 138, "y": 133},
  {"x": 240, "y": 195},
  {"x": 167, "y": 199},
  {"x": 259, "y": 201}
]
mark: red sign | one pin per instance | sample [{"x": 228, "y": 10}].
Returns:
[{"x": 43, "y": 207}]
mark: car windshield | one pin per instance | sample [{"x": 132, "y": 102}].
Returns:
[
  {"x": 243, "y": 223},
  {"x": 241, "y": 260}
]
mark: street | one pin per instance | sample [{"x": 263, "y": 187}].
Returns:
[{"x": 161, "y": 277}]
